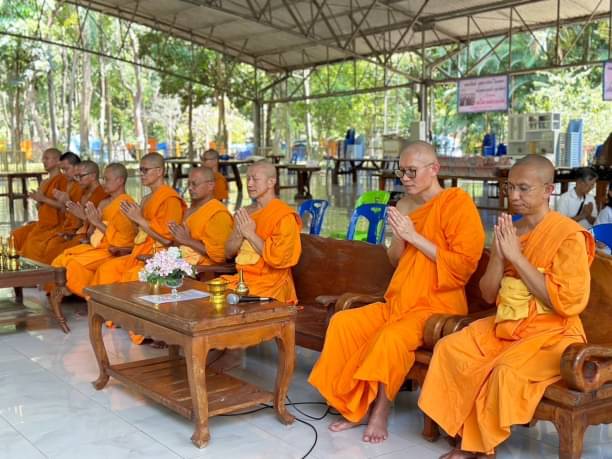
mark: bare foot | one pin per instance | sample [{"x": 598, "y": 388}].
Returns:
[
  {"x": 457, "y": 454},
  {"x": 342, "y": 424},
  {"x": 376, "y": 431}
]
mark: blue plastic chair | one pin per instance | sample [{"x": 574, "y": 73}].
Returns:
[
  {"x": 376, "y": 214},
  {"x": 603, "y": 233},
  {"x": 316, "y": 208}
]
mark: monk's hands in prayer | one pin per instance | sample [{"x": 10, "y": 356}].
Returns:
[
  {"x": 507, "y": 238},
  {"x": 401, "y": 225},
  {"x": 93, "y": 214},
  {"x": 37, "y": 196},
  {"x": 61, "y": 196},
  {"x": 132, "y": 211},
  {"x": 244, "y": 223},
  {"x": 180, "y": 233},
  {"x": 76, "y": 209}
]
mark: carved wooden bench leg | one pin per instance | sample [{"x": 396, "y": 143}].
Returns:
[
  {"x": 56, "y": 297},
  {"x": 431, "y": 431},
  {"x": 570, "y": 428}
]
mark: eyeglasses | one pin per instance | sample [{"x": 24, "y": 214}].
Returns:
[
  {"x": 144, "y": 170},
  {"x": 411, "y": 172},
  {"x": 80, "y": 176}
]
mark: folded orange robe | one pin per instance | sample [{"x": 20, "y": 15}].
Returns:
[
  {"x": 221, "y": 187},
  {"x": 375, "y": 344},
  {"x": 159, "y": 209},
  {"x": 269, "y": 274},
  {"x": 37, "y": 240},
  {"x": 211, "y": 224},
  {"x": 57, "y": 244},
  {"x": 82, "y": 261},
  {"x": 490, "y": 376}
]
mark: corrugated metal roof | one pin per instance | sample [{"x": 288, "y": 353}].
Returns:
[{"x": 281, "y": 35}]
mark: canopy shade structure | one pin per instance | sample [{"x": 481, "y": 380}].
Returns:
[{"x": 286, "y": 35}]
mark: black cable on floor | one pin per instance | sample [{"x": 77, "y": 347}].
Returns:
[{"x": 293, "y": 404}]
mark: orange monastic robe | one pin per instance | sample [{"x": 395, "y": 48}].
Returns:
[
  {"x": 490, "y": 376},
  {"x": 269, "y": 274},
  {"x": 221, "y": 187},
  {"x": 376, "y": 343},
  {"x": 36, "y": 243},
  {"x": 82, "y": 261},
  {"x": 159, "y": 208},
  {"x": 72, "y": 224},
  {"x": 211, "y": 224},
  {"x": 48, "y": 217}
]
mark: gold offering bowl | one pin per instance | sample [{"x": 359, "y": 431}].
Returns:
[{"x": 217, "y": 288}]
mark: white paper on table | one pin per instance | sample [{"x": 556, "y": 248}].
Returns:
[{"x": 185, "y": 295}]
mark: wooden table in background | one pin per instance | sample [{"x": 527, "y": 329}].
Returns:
[
  {"x": 176, "y": 173},
  {"x": 23, "y": 194},
  {"x": 31, "y": 274},
  {"x": 183, "y": 383},
  {"x": 304, "y": 173},
  {"x": 356, "y": 165}
]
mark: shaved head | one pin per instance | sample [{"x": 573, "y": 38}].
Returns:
[
  {"x": 153, "y": 159},
  {"x": 53, "y": 152},
  {"x": 544, "y": 169},
  {"x": 266, "y": 167},
  {"x": 90, "y": 167},
  {"x": 117, "y": 170},
  {"x": 423, "y": 151},
  {"x": 204, "y": 173}
]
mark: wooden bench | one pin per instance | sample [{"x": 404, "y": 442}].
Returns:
[{"x": 583, "y": 397}]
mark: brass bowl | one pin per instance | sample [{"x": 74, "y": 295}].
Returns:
[{"x": 217, "y": 288}]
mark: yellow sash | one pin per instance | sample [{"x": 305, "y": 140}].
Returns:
[
  {"x": 514, "y": 300},
  {"x": 247, "y": 254}
]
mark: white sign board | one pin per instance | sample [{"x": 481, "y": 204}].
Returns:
[
  {"x": 607, "y": 81},
  {"x": 488, "y": 94}
]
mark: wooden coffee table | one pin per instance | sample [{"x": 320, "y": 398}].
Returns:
[
  {"x": 31, "y": 274},
  {"x": 182, "y": 382}
]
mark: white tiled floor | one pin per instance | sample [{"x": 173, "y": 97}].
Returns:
[{"x": 48, "y": 408}]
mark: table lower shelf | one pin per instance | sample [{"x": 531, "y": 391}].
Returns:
[
  {"x": 164, "y": 380},
  {"x": 13, "y": 313}
]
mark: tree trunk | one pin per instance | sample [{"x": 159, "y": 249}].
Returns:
[
  {"x": 85, "y": 106},
  {"x": 70, "y": 93},
  {"x": 30, "y": 102},
  {"x": 221, "y": 125},
  {"x": 190, "y": 122},
  {"x": 268, "y": 136},
  {"x": 51, "y": 102},
  {"x": 138, "y": 99},
  {"x": 308, "y": 115},
  {"x": 102, "y": 120}
]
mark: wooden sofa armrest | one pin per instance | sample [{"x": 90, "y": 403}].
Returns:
[
  {"x": 119, "y": 251},
  {"x": 457, "y": 322},
  {"x": 353, "y": 300},
  {"x": 327, "y": 301},
  {"x": 434, "y": 329},
  {"x": 440, "y": 325},
  {"x": 586, "y": 367}
]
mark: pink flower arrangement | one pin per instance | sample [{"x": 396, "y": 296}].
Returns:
[{"x": 166, "y": 264}]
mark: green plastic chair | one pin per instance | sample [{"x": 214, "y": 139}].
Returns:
[
  {"x": 369, "y": 197},
  {"x": 373, "y": 197}
]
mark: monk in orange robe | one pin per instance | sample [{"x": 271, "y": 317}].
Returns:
[
  {"x": 265, "y": 239},
  {"x": 35, "y": 245},
  {"x": 49, "y": 211},
  {"x": 368, "y": 351},
  {"x": 210, "y": 158},
  {"x": 109, "y": 227},
  {"x": 75, "y": 226},
  {"x": 207, "y": 224},
  {"x": 162, "y": 206},
  {"x": 492, "y": 374}
]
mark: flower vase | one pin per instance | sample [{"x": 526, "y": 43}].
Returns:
[
  {"x": 174, "y": 283},
  {"x": 154, "y": 287}
]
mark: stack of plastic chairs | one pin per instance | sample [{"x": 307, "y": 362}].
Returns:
[
  {"x": 317, "y": 209},
  {"x": 369, "y": 197},
  {"x": 376, "y": 214}
]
